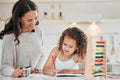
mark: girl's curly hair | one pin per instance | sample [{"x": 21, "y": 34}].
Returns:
[{"x": 79, "y": 36}]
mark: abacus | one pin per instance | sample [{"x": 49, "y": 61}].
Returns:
[
  {"x": 99, "y": 66},
  {"x": 95, "y": 65}
]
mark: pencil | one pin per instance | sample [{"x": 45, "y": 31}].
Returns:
[{"x": 53, "y": 61}]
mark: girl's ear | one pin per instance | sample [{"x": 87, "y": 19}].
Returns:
[{"x": 77, "y": 50}]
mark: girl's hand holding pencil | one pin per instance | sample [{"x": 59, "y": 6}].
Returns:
[{"x": 54, "y": 66}]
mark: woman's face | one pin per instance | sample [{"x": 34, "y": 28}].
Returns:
[
  {"x": 28, "y": 21},
  {"x": 69, "y": 45}
]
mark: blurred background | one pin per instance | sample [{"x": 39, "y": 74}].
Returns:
[{"x": 95, "y": 17}]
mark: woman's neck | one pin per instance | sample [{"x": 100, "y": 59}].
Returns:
[{"x": 24, "y": 30}]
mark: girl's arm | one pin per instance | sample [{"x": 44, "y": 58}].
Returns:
[
  {"x": 77, "y": 71},
  {"x": 47, "y": 69}
]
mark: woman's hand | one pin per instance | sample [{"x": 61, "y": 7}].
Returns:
[{"x": 17, "y": 73}]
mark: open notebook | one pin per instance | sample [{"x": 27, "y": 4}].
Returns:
[{"x": 69, "y": 75}]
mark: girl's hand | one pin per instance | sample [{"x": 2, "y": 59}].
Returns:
[
  {"x": 17, "y": 73},
  {"x": 36, "y": 71},
  {"x": 52, "y": 73},
  {"x": 66, "y": 72}
]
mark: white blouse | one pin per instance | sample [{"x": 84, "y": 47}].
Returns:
[
  {"x": 27, "y": 53},
  {"x": 62, "y": 65}
]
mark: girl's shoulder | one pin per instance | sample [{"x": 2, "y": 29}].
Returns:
[
  {"x": 55, "y": 51},
  {"x": 78, "y": 59}
]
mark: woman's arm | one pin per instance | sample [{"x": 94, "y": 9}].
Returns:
[
  {"x": 40, "y": 64},
  {"x": 9, "y": 57}
]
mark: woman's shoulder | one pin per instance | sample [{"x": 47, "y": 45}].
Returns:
[
  {"x": 9, "y": 36},
  {"x": 38, "y": 28}
]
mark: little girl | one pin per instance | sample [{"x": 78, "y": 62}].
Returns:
[{"x": 71, "y": 50}]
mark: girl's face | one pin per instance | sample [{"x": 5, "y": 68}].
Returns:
[
  {"x": 28, "y": 21},
  {"x": 69, "y": 45}
]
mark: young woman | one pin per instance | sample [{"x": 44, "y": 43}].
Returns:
[
  {"x": 70, "y": 51},
  {"x": 22, "y": 40}
]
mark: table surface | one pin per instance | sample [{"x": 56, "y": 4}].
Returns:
[{"x": 46, "y": 77}]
